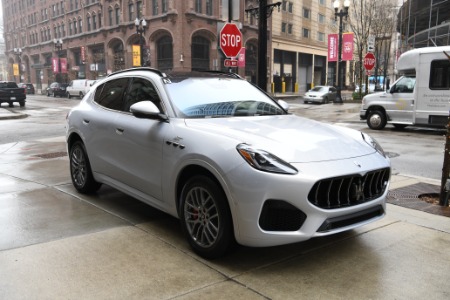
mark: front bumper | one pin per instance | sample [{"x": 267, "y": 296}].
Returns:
[{"x": 250, "y": 192}]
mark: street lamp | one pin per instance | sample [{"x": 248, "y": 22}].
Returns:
[
  {"x": 58, "y": 48},
  {"x": 18, "y": 52},
  {"x": 141, "y": 25},
  {"x": 262, "y": 15},
  {"x": 340, "y": 13}
]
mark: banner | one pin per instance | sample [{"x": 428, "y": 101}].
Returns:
[
  {"x": 136, "y": 55},
  {"x": 241, "y": 60},
  {"x": 63, "y": 65},
  {"x": 83, "y": 54},
  {"x": 55, "y": 65},
  {"x": 333, "y": 47},
  {"x": 15, "y": 69},
  {"x": 347, "y": 46}
]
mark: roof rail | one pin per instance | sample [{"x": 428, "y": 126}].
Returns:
[
  {"x": 140, "y": 69},
  {"x": 229, "y": 74}
]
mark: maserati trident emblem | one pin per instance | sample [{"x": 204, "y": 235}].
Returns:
[{"x": 357, "y": 190}]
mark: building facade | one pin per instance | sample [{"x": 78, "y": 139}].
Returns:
[
  {"x": 300, "y": 45},
  {"x": 98, "y": 36}
]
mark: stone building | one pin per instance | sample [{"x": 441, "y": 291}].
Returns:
[{"x": 98, "y": 36}]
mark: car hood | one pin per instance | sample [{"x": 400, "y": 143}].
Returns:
[{"x": 292, "y": 138}]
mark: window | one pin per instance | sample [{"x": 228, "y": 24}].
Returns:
[
  {"x": 283, "y": 27},
  {"x": 440, "y": 75},
  {"x": 289, "y": 28},
  {"x": 321, "y": 37},
  {"x": 131, "y": 12},
  {"x": 155, "y": 7},
  {"x": 139, "y": 9},
  {"x": 200, "y": 53},
  {"x": 305, "y": 33},
  {"x": 94, "y": 22},
  {"x": 75, "y": 27},
  {"x": 291, "y": 7},
  {"x": 88, "y": 21},
  {"x": 322, "y": 2},
  {"x": 164, "y": 54},
  {"x": 141, "y": 90},
  {"x": 284, "y": 5},
  {"x": 209, "y": 8},
  {"x": 110, "y": 17},
  {"x": 321, "y": 18},
  {"x": 164, "y": 8},
  {"x": 405, "y": 84},
  {"x": 198, "y": 6},
  {"x": 306, "y": 13},
  {"x": 80, "y": 25},
  {"x": 117, "y": 10},
  {"x": 110, "y": 94}
]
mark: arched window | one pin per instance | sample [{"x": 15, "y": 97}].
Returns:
[
  {"x": 119, "y": 58},
  {"x": 200, "y": 53},
  {"x": 165, "y": 53},
  {"x": 88, "y": 22}
]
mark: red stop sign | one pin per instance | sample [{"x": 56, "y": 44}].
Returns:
[
  {"x": 230, "y": 40},
  {"x": 369, "y": 61}
]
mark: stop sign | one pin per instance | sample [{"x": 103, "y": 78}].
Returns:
[
  {"x": 369, "y": 61},
  {"x": 230, "y": 40}
]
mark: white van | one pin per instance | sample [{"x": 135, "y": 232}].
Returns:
[
  {"x": 79, "y": 88},
  {"x": 420, "y": 97}
]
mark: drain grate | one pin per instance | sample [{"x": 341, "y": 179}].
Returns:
[
  {"x": 409, "y": 197},
  {"x": 51, "y": 155}
]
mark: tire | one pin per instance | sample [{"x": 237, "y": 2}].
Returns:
[
  {"x": 205, "y": 217},
  {"x": 54, "y": 94},
  {"x": 80, "y": 170},
  {"x": 22, "y": 103},
  {"x": 325, "y": 100},
  {"x": 399, "y": 126},
  {"x": 48, "y": 94},
  {"x": 81, "y": 95},
  {"x": 68, "y": 95},
  {"x": 376, "y": 120}
]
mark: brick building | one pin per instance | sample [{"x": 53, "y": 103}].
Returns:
[{"x": 97, "y": 37}]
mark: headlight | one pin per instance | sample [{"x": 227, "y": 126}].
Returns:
[
  {"x": 264, "y": 161},
  {"x": 373, "y": 143}
]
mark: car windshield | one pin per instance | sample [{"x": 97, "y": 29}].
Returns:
[{"x": 219, "y": 97}]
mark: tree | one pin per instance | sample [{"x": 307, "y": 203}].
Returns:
[{"x": 368, "y": 17}]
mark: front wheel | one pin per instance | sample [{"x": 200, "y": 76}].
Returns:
[
  {"x": 81, "y": 95},
  {"x": 205, "y": 217},
  {"x": 68, "y": 95},
  {"x": 325, "y": 100},
  {"x": 80, "y": 170},
  {"x": 376, "y": 120}
]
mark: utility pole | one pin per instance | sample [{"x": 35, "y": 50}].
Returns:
[{"x": 263, "y": 12}]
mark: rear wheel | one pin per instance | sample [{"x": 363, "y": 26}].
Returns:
[
  {"x": 22, "y": 103},
  {"x": 376, "y": 120},
  {"x": 68, "y": 95},
  {"x": 81, "y": 95},
  {"x": 205, "y": 217},
  {"x": 325, "y": 100},
  {"x": 80, "y": 170},
  {"x": 54, "y": 94}
]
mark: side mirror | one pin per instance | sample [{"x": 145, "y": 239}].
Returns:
[
  {"x": 147, "y": 110},
  {"x": 284, "y": 104}
]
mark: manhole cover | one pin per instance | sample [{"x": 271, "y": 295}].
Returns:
[{"x": 51, "y": 155}]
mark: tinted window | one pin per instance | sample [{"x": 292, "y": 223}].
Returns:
[
  {"x": 141, "y": 90},
  {"x": 111, "y": 94},
  {"x": 8, "y": 85},
  {"x": 440, "y": 75}
]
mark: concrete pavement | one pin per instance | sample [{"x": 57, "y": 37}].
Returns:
[{"x": 58, "y": 244}]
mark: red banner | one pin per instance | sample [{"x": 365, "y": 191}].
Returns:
[
  {"x": 347, "y": 46},
  {"x": 333, "y": 47},
  {"x": 83, "y": 54},
  {"x": 63, "y": 65},
  {"x": 55, "y": 65}
]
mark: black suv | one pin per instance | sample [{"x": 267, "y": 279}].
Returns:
[{"x": 57, "y": 89}]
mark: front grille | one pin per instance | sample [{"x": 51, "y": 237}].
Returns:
[
  {"x": 279, "y": 215},
  {"x": 349, "y": 190}
]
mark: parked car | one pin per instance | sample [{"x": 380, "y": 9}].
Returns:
[
  {"x": 225, "y": 158},
  {"x": 57, "y": 89},
  {"x": 371, "y": 88},
  {"x": 29, "y": 87},
  {"x": 320, "y": 94},
  {"x": 79, "y": 88}
]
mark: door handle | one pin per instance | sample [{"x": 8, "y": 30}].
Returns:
[{"x": 119, "y": 131}]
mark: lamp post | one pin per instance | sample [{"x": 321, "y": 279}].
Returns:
[
  {"x": 263, "y": 12},
  {"x": 18, "y": 52},
  {"x": 340, "y": 13},
  {"x": 58, "y": 48},
  {"x": 141, "y": 25}
]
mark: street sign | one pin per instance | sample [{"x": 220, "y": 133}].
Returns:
[
  {"x": 230, "y": 63},
  {"x": 369, "y": 61},
  {"x": 371, "y": 43},
  {"x": 230, "y": 40}
]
